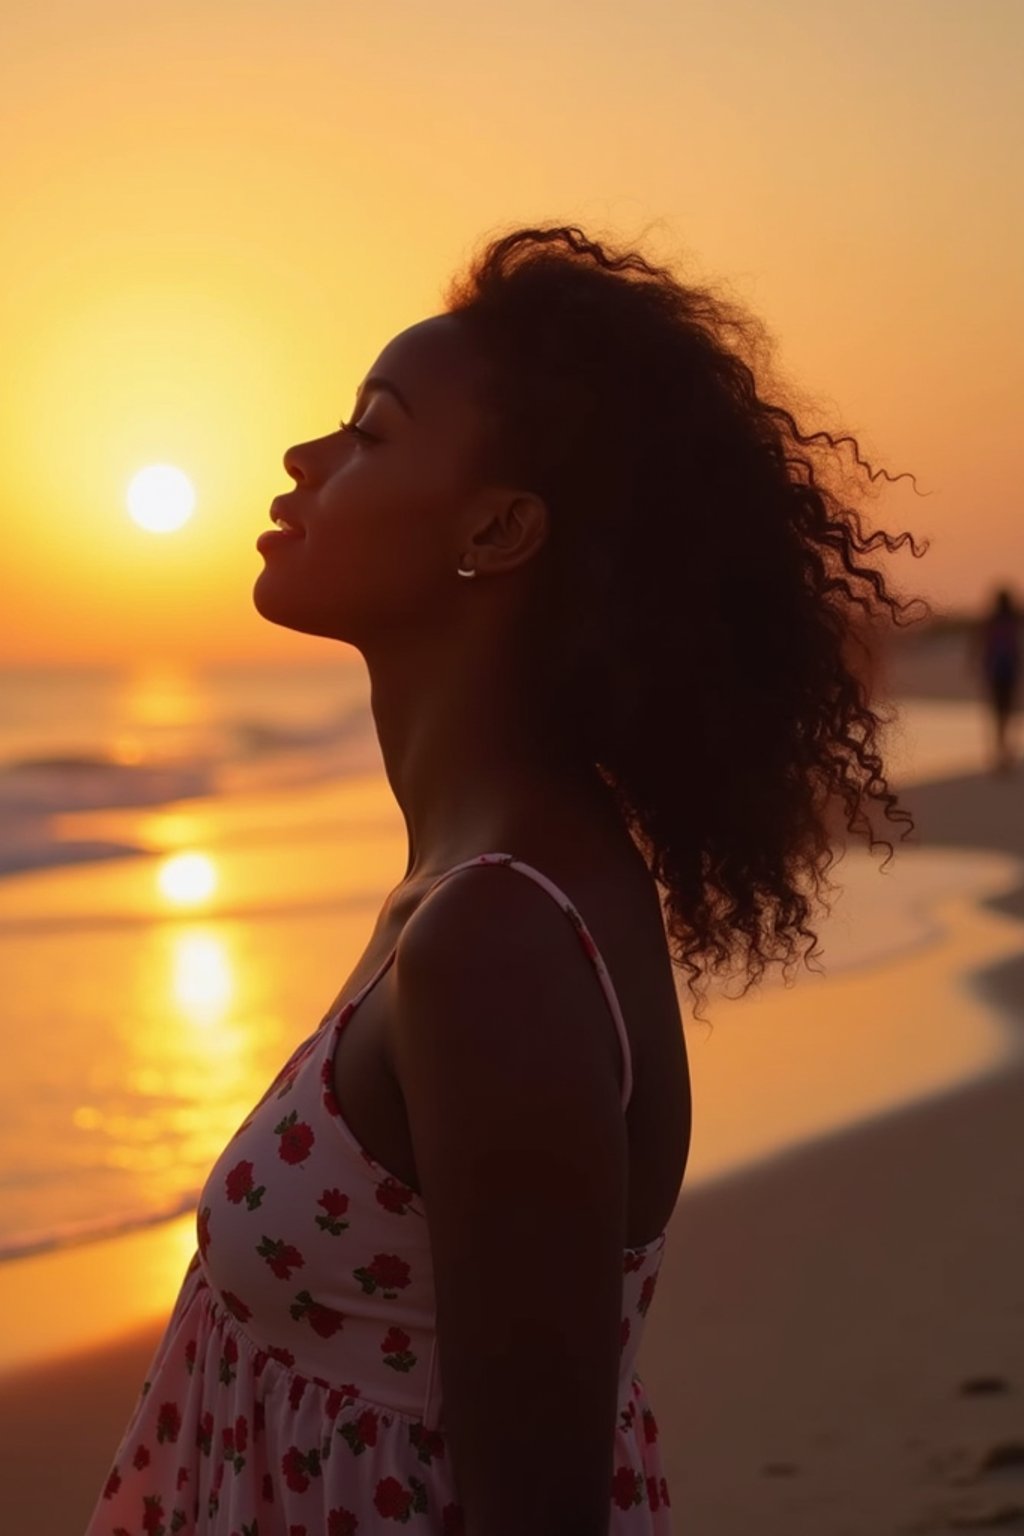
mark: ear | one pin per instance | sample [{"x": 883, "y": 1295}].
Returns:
[{"x": 507, "y": 529}]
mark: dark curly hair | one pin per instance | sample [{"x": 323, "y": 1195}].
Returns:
[{"x": 695, "y": 599}]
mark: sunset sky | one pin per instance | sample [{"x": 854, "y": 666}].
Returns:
[{"x": 216, "y": 215}]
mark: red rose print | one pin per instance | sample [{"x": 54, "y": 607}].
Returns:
[
  {"x": 428, "y": 1442},
  {"x": 168, "y": 1423},
  {"x": 396, "y": 1349},
  {"x": 190, "y": 1356},
  {"x": 361, "y": 1432},
  {"x": 113, "y": 1483},
  {"x": 625, "y": 1334},
  {"x": 335, "y": 1204},
  {"x": 241, "y": 1433},
  {"x": 394, "y": 1196},
  {"x": 240, "y": 1186},
  {"x": 153, "y": 1519},
  {"x": 239, "y": 1182},
  {"x": 297, "y": 1391},
  {"x": 228, "y": 1360},
  {"x": 277, "y": 1352},
  {"x": 259, "y": 1419},
  {"x": 203, "y": 1230},
  {"x": 204, "y": 1433},
  {"x": 330, "y": 1097},
  {"x": 182, "y": 1477},
  {"x": 341, "y": 1522},
  {"x": 293, "y": 1467},
  {"x": 650, "y": 1426},
  {"x": 392, "y": 1499},
  {"x": 632, "y": 1261},
  {"x": 322, "y": 1319},
  {"x": 267, "y": 1491},
  {"x": 388, "y": 1272},
  {"x": 236, "y": 1307},
  {"x": 453, "y": 1520},
  {"x": 297, "y": 1530},
  {"x": 663, "y": 1488},
  {"x": 652, "y": 1492},
  {"x": 141, "y": 1458},
  {"x": 366, "y": 1424},
  {"x": 296, "y": 1138},
  {"x": 281, "y": 1256},
  {"x": 627, "y": 1488},
  {"x": 298, "y": 1467},
  {"x": 646, "y": 1294}
]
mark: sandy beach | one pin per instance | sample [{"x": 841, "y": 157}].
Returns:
[{"x": 836, "y": 1346}]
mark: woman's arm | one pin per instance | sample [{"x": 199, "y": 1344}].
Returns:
[{"x": 508, "y": 1060}]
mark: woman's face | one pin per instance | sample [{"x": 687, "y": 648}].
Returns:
[{"x": 382, "y": 510}]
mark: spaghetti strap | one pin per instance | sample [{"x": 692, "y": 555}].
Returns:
[{"x": 585, "y": 938}]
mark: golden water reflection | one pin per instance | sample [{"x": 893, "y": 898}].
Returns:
[
  {"x": 194, "y": 1060},
  {"x": 203, "y": 980}
]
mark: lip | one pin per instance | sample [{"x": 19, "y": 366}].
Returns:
[
  {"x": 280, "y": 507},
  {"x": 270, "y": 538}
]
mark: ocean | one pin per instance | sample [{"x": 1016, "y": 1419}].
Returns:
[{"x": 99, "y": 1132}]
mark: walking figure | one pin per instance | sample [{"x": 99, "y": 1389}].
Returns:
[{"x": 997, "y": 645}]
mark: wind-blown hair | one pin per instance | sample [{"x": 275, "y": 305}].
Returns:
[{"x": 699, "y": 597}]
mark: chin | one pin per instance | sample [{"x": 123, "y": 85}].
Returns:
[{"x": 283, "y": 609}]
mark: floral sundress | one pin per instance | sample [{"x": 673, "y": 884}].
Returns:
[{"x": 296, "y": 1389}]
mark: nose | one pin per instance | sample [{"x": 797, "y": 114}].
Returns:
[{"x": 293, "y": 463}]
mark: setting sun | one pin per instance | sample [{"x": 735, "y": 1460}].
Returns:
[{"x": 161, "y": 498}]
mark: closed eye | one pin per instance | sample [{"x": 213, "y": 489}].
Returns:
[{"x": 350, "y": 426}]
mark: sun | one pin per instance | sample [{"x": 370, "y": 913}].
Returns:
[{"x": 160, "y": 498}]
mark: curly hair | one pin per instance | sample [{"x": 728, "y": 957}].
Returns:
[{"x": 695, "y": 598}]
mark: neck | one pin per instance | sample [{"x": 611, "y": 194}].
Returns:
[{"x": 466, "y": 765}]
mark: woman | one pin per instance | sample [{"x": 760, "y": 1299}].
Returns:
[
  {"x": 997, "y": 644},
  {"x": 606, "y": 619}
]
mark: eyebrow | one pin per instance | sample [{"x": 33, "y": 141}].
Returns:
[{"x": 375, "y": 381}]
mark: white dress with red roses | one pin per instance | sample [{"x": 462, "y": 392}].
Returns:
[{"x": 296, "y": 1390}]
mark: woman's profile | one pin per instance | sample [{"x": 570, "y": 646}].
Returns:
[{"x": 607, "y": 601}]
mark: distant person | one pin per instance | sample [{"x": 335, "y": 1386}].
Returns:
[
  {"x": 606, "y": 622},
  {"x": 997, "y": 645}
]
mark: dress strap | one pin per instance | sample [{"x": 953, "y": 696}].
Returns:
[{"x": 585, "y": 938}]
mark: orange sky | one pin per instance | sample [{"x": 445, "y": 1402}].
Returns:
[{"x": 217, "y": 215}]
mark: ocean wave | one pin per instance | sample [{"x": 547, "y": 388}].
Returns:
[
  {"x": 83, "y": 782},
  {"x": 92, "y": 1230}
]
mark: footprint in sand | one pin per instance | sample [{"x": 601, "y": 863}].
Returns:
[{"x": 987, "y": 1508}]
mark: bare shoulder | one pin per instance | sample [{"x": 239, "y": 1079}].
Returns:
[{"x": 490, "y": 950}]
